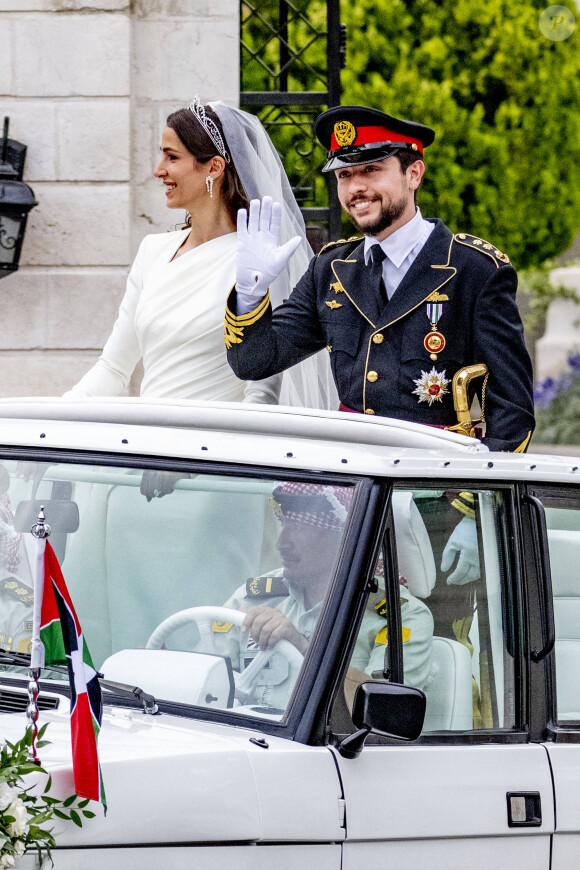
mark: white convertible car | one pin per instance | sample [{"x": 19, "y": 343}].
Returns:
[{"x": 416, "y": 701}]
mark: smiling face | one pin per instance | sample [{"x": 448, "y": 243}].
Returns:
[
  {"x": 181, "y": 173},
  {"x": 379, "y": 197}
]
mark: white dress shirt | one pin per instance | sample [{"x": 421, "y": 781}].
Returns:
[{"x": 401, "y": 249}]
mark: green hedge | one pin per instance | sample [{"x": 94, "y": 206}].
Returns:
[{"x": 503, "y": 99}]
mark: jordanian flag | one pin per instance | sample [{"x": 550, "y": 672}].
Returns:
[{"x": 62, "y": 638}]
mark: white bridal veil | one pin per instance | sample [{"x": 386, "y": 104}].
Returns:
[{"x": 261, "y": 172}]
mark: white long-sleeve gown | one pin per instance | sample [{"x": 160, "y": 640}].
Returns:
[{"x": 172, "y": 317}]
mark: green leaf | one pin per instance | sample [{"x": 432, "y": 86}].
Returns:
[
  {"x": 61, "y": 815},
  {"x": 89, "y": 814},
  {"x": 48, "y": 785},
  {"x": 27, "y": 768},
  {"x": 76, "y": 818},
  {"x": 69, "y": 800}
]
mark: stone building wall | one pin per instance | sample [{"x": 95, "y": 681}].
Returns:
[{"x": 87, "y": 85}]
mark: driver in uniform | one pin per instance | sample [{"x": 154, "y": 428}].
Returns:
[{"x": 286, "y": 603}]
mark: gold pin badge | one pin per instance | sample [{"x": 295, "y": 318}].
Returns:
[
  {"x": 434, "y": 343},
  {"x": 344, "y": 133},
  {"x": 332, "y": 304}
]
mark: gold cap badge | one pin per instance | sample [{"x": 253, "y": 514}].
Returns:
[{"x": 344, "y": 133}]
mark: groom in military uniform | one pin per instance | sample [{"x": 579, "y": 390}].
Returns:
[{"x": 399, "y": 309}]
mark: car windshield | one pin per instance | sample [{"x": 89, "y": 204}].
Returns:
[{"x": 164, "y": 567}]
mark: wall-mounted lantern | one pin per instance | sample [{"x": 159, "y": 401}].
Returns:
[{"x": 16, "y": 200}]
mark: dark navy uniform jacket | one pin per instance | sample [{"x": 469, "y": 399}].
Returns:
[{"x": 377, "y": 352}]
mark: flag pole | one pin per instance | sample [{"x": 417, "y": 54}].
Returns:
[{"x": 41, "y": 531}]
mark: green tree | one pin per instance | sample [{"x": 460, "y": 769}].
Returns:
[
  {"x": 503, "y": 98},
  {"x": 504, "y": 101}
]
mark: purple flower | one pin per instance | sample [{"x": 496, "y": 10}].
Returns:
[
  {"x": 549, "y": 389},
  {"x": 545, "y": 392}
]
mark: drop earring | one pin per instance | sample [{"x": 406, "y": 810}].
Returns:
[{"x": 209, "y": 186}]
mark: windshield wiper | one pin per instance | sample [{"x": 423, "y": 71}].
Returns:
[{"x": 22, "y": 660}]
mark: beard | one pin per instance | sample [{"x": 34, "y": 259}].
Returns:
[{"x": 389, "y": 214}]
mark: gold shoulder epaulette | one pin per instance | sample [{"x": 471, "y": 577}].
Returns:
[
  {"x": 339, "y": 242},
  {"x": 266, "y": 587},
  {"x": 481, "y": 245},
  {"x": 381, "y": 607}
]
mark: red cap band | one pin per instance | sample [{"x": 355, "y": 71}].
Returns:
[{"x": 369, "y": 135}]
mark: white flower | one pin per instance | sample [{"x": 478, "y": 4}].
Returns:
[
  {"x": 20, "y": 824},
  {"x": 7, "y": 861},
  {"x": 19, "y": 848},
  {"x": 7, "y": 795}
]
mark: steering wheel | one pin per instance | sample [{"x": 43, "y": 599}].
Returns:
[{"x": 203, "y": 617}]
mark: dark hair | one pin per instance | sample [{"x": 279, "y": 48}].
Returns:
[
  {"x": 406, "y": 159},
  {"x": 199, "y": 144}
]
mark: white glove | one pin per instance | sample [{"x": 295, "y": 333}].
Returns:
[
  {"x": 462, "y": 542},
  {"x": 259, "y": 258}
]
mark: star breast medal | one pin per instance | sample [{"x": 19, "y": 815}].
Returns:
[
  {"x": 431, "y": 386},
  {"x": 434, "y": 341}
]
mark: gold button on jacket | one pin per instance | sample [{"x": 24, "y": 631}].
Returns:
[
  {"x": 372, "y": 377},
  {"x": 378, "y": 338}
]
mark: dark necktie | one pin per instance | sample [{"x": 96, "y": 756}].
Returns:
[{"x": 379, "y": 291}]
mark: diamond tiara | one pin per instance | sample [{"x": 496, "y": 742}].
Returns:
[{"x": 198, "y": 110}]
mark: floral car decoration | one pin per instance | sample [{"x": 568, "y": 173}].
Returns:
[{"x": 25, "y": 815}]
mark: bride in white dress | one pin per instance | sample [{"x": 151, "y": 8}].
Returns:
[{"x": 213, "y": 160}]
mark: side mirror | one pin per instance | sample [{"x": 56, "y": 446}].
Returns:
[{"x": 389, "y": 709}]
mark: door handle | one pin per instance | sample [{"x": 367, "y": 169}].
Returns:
[{"x": 524, "y": 809}]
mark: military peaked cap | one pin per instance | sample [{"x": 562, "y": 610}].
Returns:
[{"x": 354, "y": 135}]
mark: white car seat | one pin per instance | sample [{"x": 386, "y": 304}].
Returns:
[
  {"x": 564, "y": 557},
  {"x": 414, "y": 552},
  {"x": 449, "y": 696}
]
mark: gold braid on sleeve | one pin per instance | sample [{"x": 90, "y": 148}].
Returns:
[{"x": 234, "y": 324}]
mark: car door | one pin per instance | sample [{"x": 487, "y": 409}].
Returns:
[
  {"x": 558, "y": 510},
  {"x": 474, "y": 791}
]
